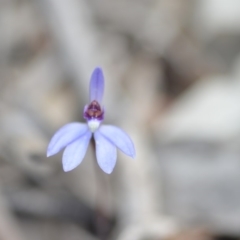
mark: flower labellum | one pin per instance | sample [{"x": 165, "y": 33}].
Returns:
[{"x": 75, "y": 137}]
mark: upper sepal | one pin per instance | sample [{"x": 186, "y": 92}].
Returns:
[{"x": 97, "y": 85}]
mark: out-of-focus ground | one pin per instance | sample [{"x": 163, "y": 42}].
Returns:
[{"x": 172, "y": 70}]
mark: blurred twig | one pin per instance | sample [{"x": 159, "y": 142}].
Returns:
[{"x": 9, "y": 229}]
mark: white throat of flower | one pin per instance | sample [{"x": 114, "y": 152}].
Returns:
[{"x": 93, "y": 125}]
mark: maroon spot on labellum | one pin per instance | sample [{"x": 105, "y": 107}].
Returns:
[{"x": 94, "y": 111}]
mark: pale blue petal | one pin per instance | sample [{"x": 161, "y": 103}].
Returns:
[
  {"x": 97, "y": 85},
  {"x": 65, "y": 136},
  {"x": 75, "y": 152},
  {"x": 106, "y": 153},
  {"x": 119, "y": 138}
]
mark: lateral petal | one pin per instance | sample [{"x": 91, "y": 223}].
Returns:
[
  {"x": 119, "y": 138},
  {"x": 106, "y": 153},
  {"x": 75, "y": 152},
  {"x": 97, "y": 85},
  {"x": 64, "y": 136}
]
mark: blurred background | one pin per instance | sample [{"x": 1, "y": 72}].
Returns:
[{"x": 172, "y": 72}]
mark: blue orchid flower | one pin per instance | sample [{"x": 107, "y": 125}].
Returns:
[{"x": 75, "y": 137}]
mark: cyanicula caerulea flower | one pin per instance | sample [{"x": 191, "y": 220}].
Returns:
[{"x": 75, "y": 137}]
